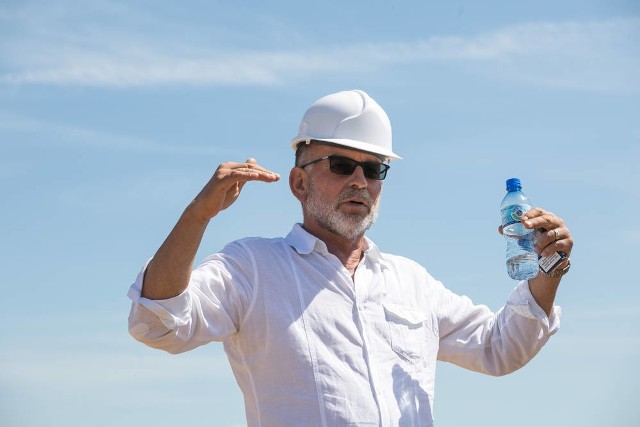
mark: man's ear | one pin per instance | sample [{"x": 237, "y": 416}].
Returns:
[{"x": 298, "y": 182}]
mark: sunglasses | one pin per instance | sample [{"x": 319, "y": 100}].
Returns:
[{"x": 345, "y": 166}]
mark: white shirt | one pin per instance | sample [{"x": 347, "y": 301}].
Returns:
[{"x": 309, "y": 346}]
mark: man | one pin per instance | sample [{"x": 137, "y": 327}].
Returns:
[{"x": 321, "y": 328}]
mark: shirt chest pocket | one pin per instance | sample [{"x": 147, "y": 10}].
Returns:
[{"x": 411, "y": 332}]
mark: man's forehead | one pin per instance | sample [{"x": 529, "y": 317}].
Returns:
[{"x": 329, "y": 149}]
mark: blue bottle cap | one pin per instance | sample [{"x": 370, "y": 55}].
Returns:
[{"x": 513, "y": 184}]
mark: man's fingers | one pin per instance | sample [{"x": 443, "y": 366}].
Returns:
[
  {"x": 552, "y": 233},
  {"x": 243, "y": 172},
  {"x": 225, "y": 186},
  {"x": 234, "y": 175},
  {"x": 555, "y": 240},
  {"x": 539, "y": 218}
]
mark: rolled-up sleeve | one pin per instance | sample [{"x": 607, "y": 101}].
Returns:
[
  {"x": 522, "y": 303},
  {"x": 474, "y": 337},
  {"x": 210, "y": 309}
]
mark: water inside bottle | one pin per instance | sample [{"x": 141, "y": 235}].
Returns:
[{"x": 523, "y": 265}]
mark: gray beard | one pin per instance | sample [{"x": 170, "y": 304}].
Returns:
[{"x": 328, "y": 215}]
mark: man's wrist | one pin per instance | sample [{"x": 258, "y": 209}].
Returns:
[{"x": 194, "y": 214}]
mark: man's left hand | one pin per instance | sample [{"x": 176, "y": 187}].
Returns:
[{"x": 554, "y": 236}]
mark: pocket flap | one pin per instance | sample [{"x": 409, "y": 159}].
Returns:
[{"x": 404, "y": 314}]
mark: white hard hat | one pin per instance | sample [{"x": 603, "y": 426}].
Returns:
[{"x": 350, "y": 119}]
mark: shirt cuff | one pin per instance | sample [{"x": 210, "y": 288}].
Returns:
[
  {"x": 521, "y": 301},
  {"x": 172, "y": 312}
]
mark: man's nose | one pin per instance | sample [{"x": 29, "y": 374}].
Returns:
[{"x": 358, "y": 180}]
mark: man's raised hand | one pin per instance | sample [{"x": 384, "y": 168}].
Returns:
[{"x": 225, "y": 185}]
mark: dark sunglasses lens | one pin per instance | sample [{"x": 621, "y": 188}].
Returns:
[
  {"x": 346, "y": 166},
  {"x": 342, "y": 165},
  {"x": 373, "y": 170}
]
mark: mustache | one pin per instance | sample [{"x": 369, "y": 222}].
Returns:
[{"x": 357, "y": 193}]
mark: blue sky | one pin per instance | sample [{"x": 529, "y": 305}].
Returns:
[{"x": 114, "y": 114}]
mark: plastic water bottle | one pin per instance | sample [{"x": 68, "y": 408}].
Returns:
[{"x": 522, "y": 260}]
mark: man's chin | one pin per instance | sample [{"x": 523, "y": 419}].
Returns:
[{"x": 353, "y": 229}]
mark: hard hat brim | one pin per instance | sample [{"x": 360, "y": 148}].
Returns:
[{"x": 349, "y": 143}]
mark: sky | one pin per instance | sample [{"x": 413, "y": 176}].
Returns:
[{"x": 114, "y": 114}]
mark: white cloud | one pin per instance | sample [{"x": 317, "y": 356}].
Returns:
[
  {"x": 602, "y": 56},
  {"x": 51, "y": 134}
]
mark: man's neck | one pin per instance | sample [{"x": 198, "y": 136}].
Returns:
[{"x": 348, "y": 251}]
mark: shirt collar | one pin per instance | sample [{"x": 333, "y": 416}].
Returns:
[{"x": 304, "y": 243}]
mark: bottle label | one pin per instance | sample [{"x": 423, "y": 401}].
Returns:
[{"x": 512, "y": 214}]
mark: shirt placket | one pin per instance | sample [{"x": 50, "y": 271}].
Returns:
[{"x": 363, "y": 279}]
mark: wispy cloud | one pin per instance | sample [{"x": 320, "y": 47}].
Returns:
[
  {"x": 56, "y": 135},
  {"x": 602, "y": 56}
]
